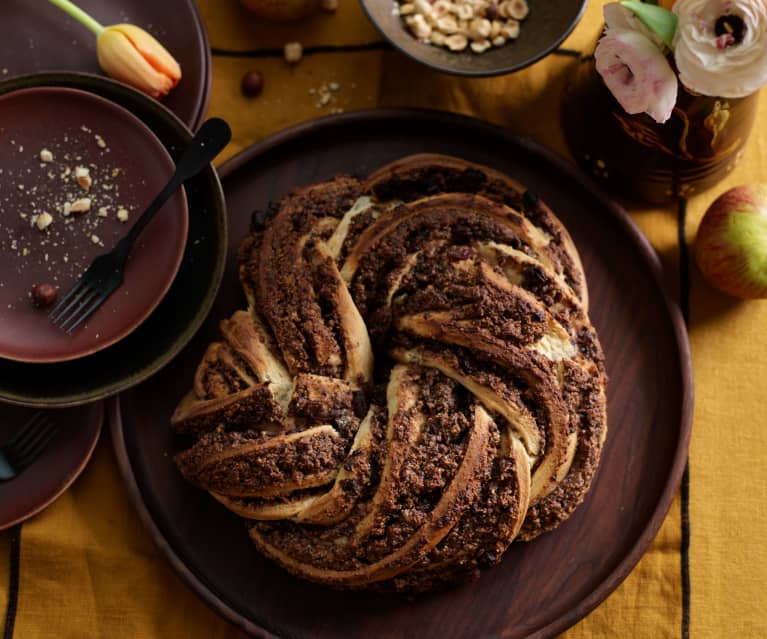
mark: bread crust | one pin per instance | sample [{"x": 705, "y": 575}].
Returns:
[{"x": 415, "y": 384}]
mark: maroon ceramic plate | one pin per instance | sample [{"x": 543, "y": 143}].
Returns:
[
  {"x": 56, "y": 468},
  {"x": 37, "y": 36},
  {"x": 127, "y": 166},
  {"x": 541, "y": 587},
  {"x": 176, "y": 319}
]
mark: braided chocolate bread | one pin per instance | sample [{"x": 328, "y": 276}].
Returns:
[{"x": 415, "y": 384}]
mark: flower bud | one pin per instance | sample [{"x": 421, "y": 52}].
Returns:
[{"x": 129, "y": 54}]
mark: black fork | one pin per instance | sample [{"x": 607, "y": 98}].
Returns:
[
  {"x": 105, "y": 274},
  {"x": 26, "y": 445}
]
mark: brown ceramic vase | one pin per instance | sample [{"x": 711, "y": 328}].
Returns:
[{"x": 637, "y": 158}]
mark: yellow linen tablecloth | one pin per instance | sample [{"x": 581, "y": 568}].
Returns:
[{"x": 88, "y": 569}]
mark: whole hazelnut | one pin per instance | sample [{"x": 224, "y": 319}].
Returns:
[
  {"x": 491, "y": 12},
  {"x": 44, "y": 295},
  {"x": 252, "y": 83}
]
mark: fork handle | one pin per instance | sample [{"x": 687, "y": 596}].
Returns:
[{"x": 207, "y": 143}]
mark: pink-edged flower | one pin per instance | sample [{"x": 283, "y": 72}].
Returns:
[
  {"x": 637, "y": 73},
  {"x": 720, "y": 46}
]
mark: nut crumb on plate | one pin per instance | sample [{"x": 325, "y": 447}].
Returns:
[
  {"x": 83, "y": 177},
  {"x": 43, "y": 295},
  {"x": 83, "y": 205},
  {"x": 43, "y": 221}
]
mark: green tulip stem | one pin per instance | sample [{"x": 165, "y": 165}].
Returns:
[{"x": 78, "y": 14}]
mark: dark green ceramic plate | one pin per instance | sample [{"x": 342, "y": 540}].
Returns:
[{"x": 167, "y": 330}]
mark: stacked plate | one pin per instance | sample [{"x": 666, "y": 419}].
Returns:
[
  {"x": 127, "y": 142},
  {"x": 172, "y": 275}
]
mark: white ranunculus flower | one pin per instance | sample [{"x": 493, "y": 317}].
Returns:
[
  {"x": 720, "y": 46},
  {"x": 637, "y": 73}
]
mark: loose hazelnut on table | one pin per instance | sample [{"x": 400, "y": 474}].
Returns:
[
  {"x": 293, "y": 52},
  {"x": 252, "y": 84},
  {"x": 329, "y": 5},
  {"x": 44, "y": 295}
]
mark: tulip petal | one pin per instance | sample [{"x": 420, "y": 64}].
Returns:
[
  {"x": 119, "y": 59},
  {"x": 152, "y": 51}
]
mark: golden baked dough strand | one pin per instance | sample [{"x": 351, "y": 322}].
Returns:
[
  {"x": 461, "y": 492},
  {"x": 421, "y": 175},
  {"x": 458, "y": 291}
]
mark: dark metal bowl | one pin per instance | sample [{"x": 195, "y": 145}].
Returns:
[{"x": 549, "y": 23}]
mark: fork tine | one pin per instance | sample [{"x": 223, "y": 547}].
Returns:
[
  {"x": 61, "y": 305},
  {"x": 82, "y": 301},
  {"x": 74, "y": 306},
  {"x": 27, "y": 429},
  {"x": 34, "y": 452},
  {"x": 94, "y": 305},
  {"x": 32, "y": 442},
  {"x": 60, "y": 312},
  {"x": 65, "y": 322}
]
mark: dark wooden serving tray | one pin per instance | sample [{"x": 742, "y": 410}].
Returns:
[{"x": 542, "y": 587}]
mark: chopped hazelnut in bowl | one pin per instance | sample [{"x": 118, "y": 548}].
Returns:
[{"x": 475, "y": 37}]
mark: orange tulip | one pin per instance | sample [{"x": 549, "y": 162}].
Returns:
[{"x": 129, "y": 54}]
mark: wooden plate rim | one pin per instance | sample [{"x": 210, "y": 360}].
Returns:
[{"x": 216, "y": 600}]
